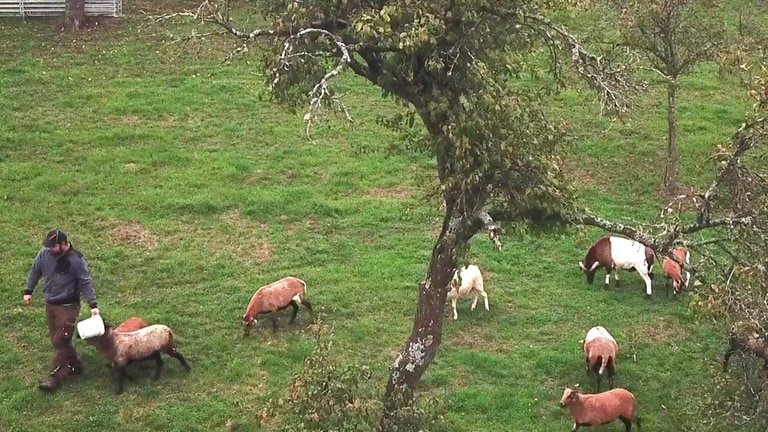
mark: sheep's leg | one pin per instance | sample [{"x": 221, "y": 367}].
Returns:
[
  {"x": 726, "y": 357},
  {"x": 307, "y": 305},
  {"x": 611, "y": 372},
  {"x": 158, "y": 365},
  {"x": 616, "y": 277},
  {"x": 647, "y": 277},
  {"x": 119, "y": 373},
  {"x": 273, "y": 316},
  {"x": 598, "y": 382},
  {"x": 627, "y": 423},
  {"x": 608, "y": 277},
  {"x": 666, "y": 287},
  {"x": 295, "y": 311},
  {"x": 455, "y": 314},
  {"x": 575, "y": 426},
  {"x": 177, "y": 355},
  {"x": 485, "y": 297},
  {"x": 474, "y": 303}
]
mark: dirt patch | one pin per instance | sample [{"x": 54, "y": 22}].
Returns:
[
  {"x": 131, "y": 234},
  {"x": 474, "y": 337},
  {"x": 252, "y": 244},
  {"x": 400, "y": 191},
  {"x": 588, "y": 175},
  {"x": 309, "y": 225},
  {"x": 661, "y": 331}
]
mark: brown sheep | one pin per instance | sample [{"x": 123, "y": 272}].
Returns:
[
  {"x": 278, "y": 295},
  {"x": 673, "y": 271},
  {"x": 131, "y": 324},
  {"x": 598, "y": 409}
]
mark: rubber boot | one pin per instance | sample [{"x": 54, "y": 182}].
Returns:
[{"x": 52, "y": 383}]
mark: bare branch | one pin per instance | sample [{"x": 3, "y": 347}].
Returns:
[{"x": 321, "y": 91}]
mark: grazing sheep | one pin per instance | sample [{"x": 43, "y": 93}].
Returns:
[
  {"x": 744, "y": 338},
  {"x": 617, "y": 253},
  {"x": 124, "y": 348},
  {"x": 468, "y": 281},
  {"x": 131, "y": 324},
  {"x": 673, "y": 271},
  {"x": 289, "y": 291},
  {"x": 600, "y": 351},
  {"x": 601, "y": 408}
]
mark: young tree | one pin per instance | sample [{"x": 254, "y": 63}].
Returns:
[
  {"x": 674, "y": 36},
  {"x": 456, "y": 65}
]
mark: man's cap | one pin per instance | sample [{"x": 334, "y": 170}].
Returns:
[{"x": 54, "y": 237}]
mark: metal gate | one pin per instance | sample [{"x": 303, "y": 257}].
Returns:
[{"x": 25, "y": 8}]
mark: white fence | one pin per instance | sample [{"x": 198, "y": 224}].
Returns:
[{"x": 25, "y": 8}]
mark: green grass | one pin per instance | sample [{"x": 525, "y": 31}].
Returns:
[{"x": 186, "y": 191}]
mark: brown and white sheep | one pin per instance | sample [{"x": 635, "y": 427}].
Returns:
[
  {"x": 673, "y": 271},
  {"x": 278, "y": 295},
  {"x": 123, "y": 348},
  {"x": 618, "y": 253},
  {"x": 129, "y": 325},
  {"x": 600, "y": 351},
  {"x": 598, "y": 409},
  {"x": 468, "y": 281},
  {"x": 744, "y": 338}
]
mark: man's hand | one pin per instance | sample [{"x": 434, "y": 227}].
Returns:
[
  {"x": 27, "y": 299},
  {"x": 94, "y": 311}
]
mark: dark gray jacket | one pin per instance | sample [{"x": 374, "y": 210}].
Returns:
[{"x": 66, "y": 278}]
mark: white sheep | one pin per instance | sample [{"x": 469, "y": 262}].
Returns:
[
  {"x": 468, "y": 281},
  {"x": 123, "y": 348},
  {"x": 600, "y": 351},
  {"x": 278, "y": 295},
  {"x": 601, "y": 408}
]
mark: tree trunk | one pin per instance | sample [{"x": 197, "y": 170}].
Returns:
[
  {"x": 670, "y": 174},
  {"x": 74, "y": 16},
  {"x": 421, "y": 347}
]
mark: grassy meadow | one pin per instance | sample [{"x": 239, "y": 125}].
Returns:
[{"x": 186, "y": 191}]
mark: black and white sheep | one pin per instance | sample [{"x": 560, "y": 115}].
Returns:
[
  {"x": 468, "y": 281},
  {"x": 618, "y": 253},
  {"x": 278, "y": 295},
  {"x": 601, "y": 408},
  {"x": 124, "y": 348}
]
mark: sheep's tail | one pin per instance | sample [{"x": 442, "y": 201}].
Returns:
[{"x": 604, "y": 364}]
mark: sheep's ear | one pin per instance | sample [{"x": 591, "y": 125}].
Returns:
[
  {"x": 581, "y": 341},
  {"x": 581, "y": 266}
]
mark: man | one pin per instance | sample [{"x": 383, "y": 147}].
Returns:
[{"x": 66, "y": 279}]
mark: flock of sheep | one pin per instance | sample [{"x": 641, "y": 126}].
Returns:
[
  {"x": 135, "y": 341},
  {"x": 600, "y": 348}
]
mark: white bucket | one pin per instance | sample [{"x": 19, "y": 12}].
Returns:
[{"x": 91, "y": 327}]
